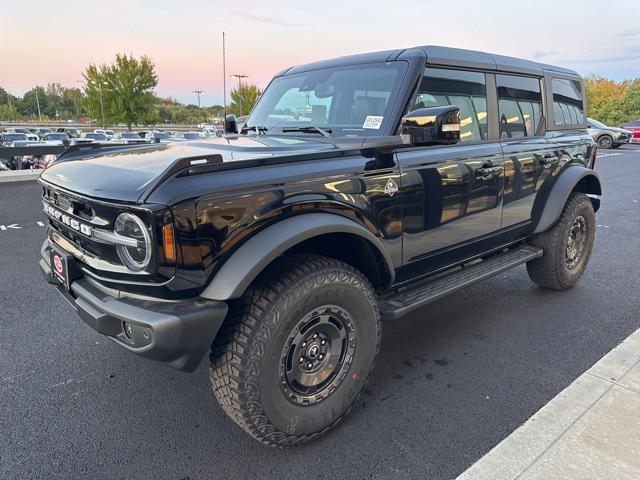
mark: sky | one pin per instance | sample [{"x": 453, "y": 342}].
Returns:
[{"x": 45, "y": 41}]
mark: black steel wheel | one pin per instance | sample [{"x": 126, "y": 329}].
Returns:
[
  {"x": 567, "y": 246},
  {"x": 317, "y": 356},
  {"x": 295, "y": 352}
]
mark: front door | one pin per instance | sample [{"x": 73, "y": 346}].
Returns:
[{"x": 452, "y": 194}]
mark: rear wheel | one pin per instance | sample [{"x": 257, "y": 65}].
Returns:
[
  {"x": 567, "y": 246},
  {"x": 296, "y": 351}
]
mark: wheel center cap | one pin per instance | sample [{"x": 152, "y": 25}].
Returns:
[{"x": 313, "y": 351}]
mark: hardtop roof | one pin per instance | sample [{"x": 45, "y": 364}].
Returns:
[{"x": 438, "y": 55}]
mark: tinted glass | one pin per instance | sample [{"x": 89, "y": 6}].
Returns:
[
  {"x": 351, "y": 101},
  {"x": 568, "y": 106},
  {"x": 466, "y": 90},
  {"x": 519, "y": 106}
]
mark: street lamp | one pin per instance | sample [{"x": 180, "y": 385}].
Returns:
[
  {"x": 240, "y": 77},
  {"x": 198, "y": 92},
  {"x": 38, "y": 104}
]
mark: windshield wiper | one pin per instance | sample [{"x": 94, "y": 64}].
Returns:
[
  {"x": 325, "y": 132},
  {"x": 255, "y": 128}
]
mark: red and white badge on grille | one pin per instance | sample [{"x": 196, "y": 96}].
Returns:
[{"x": 57, "y": 264}]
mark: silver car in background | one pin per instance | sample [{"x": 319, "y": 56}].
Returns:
[{"x": 608, "y": 137}]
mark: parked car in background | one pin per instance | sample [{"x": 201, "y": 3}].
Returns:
[
  {"x": 182, "y": 136},
  {"x": 32, "y": 137},
  {"x": 607, "y": 137},
  {"x": 24, "y": 130},
  {"x": 211, "y": 131},
  {"x": 71, "y": 131},
  {"x": 633, "y": 127},
  {"x": 57, "y": 138},
  {"x": 8, "y": 138},
  {"x": 129, "y": 138},
  {"x": 109, "y": 134},
  {"x": 158, "y": 137},
  {"x": 41, "y": 131},
  {"x": 94, "y": 137}
]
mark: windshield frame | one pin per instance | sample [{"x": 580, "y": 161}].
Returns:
[
  {"x": 396, "y": 100},
  {"x": 595, "y": 123}
]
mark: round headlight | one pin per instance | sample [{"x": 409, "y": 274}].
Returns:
[{"x": 133, "y": 257}]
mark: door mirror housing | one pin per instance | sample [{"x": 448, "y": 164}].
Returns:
[
  {"x": 230, "y": 124},
  {"x": 431, "y": 126}
]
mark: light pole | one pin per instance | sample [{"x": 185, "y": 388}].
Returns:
[
  {"x": 101, "y": 101},
  {"x": 240, "y": 77},
  {"x": 38, "y": 104},
  {"x": 101, "y": 105},
  {"x": 198, "y": 92}
]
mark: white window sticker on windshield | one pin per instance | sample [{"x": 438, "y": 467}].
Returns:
[{"x": 373, "y": 122}]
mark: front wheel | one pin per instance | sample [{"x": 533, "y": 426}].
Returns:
[
  {"x": 605, "y": 141},
  {"x": 567, "y": 246},
  {"x": 296, "y": 350}
]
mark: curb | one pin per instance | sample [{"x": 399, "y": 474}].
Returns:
[
  {"x": 541, "y": 444},
  {"x": 19, "y": 176}
]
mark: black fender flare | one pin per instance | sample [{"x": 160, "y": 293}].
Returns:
[
  {"x": 566, "y": 183},
  {"x": 246, "y": 263}
]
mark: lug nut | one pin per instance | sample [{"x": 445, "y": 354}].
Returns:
[
  {"x": 323, "y": 342},
  {"x": 309, "y": 365},
  {"x": 315, "y": 335},
  {"x": 304, "y": 344},
  {"x": 321, "y": 356},
  {"x": 301, "y": 359}
]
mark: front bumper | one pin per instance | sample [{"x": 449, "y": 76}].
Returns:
[{"x": 177, "y": 333}]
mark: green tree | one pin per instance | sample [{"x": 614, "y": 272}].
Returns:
[
  {"x": 632, "y": 101},
  {"x": 123, "y": 90},
  {"x": 28, "y": 105},
  {"x": 605, "y": 99},
  {"x": 243, "y": 98}
]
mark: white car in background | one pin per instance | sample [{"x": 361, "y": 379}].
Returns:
[
  {"x": 56, "y": 138},
  {"x": 107, "y": 133},
  {"x": 129, "y": 138},
  {"x": 184, "y": 136},
  {"x": 156, "y": 136}
]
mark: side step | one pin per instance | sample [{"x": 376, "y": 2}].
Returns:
[{"x": 405, "y": 301}]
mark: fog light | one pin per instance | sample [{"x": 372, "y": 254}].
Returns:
[{"x": 127, "y": 330}]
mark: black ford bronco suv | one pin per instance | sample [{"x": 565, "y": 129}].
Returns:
[{"x": 358, "y": 190}]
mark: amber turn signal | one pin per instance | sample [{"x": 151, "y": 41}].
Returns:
[{"x": 168, "y": 242}]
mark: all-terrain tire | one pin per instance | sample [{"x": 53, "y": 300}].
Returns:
[
  {"x": 247, "y": 362},
  {"x": 558, "y": 268}
]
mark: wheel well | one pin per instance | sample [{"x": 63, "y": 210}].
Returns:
[
  {"x": 351, "y": 249},
  {"x": 591, "y": 186}
]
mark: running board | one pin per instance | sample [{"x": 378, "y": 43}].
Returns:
[{"x": 408, "y": 300}]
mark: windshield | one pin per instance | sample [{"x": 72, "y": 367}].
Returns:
[
  {"x": 130, "y": 135},
  {"x": 191, "y": 136},
  {"x": 57, "y": 136},
  {"x": 96, "y": 136},
  {"x": 596, "y": 124},
  {"x": 162, "y": 135},
  {"x": 350, "y": 101},
  {"x": 13, "y": 137}
]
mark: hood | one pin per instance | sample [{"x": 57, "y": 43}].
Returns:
[
  {"x": 619, "y": 130},
  {"x": 125, "y": 173}
]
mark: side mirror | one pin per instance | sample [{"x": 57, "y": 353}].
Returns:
[
  {"x": 230, "y": 124},
  {"x": 431, "y": 126}
]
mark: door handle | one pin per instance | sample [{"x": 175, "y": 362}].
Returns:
[{"x": 487, "y": 173}]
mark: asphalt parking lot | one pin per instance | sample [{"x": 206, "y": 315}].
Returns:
[{"x": 451, "y": 382}]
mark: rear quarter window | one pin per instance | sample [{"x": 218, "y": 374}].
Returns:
[{"x": 568, "y": 102}]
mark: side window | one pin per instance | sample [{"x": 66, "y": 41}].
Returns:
[
  {"x": 519, "y": 106},
  {"x": 466, "y": 90},
  {"x": 568, "y": 104}
]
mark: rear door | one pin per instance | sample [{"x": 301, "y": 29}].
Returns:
[
  {"x": 452, "y": 194},
  {"x": 529, "y": 156}
]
